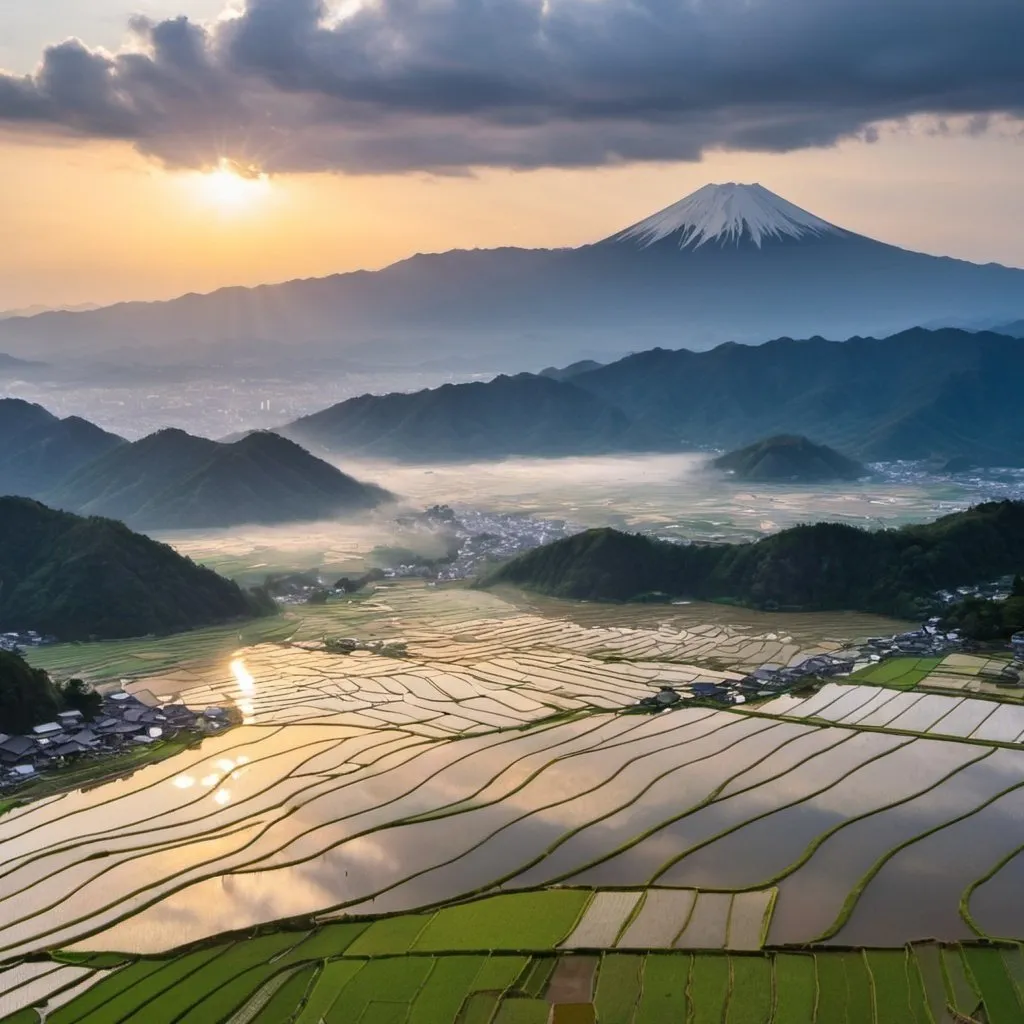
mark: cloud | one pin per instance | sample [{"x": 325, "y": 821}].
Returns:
[{"x": 445, "y": 85}]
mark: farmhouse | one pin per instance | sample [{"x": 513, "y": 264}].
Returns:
[{"x": 123, "y": 720}]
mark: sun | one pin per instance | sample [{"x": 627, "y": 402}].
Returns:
[{"x": 231, "y": 187}]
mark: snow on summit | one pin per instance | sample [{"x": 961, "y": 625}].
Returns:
[{"x": 728, "y": 213}]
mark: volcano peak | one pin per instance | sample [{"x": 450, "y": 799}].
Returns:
[{"x": 727, "y": 213}]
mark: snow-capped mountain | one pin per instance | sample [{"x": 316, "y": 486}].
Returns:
[
  {"x": 729, "y": 262},
  {"x": 727, "y": 215}
]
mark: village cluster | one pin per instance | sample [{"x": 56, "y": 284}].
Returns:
[
  {"x": 124, "y": 722},
  {"x": 17, "y": 642},
  {"x": 771, "y": 680}
]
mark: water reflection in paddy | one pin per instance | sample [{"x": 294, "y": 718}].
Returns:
[
  {"x": 540, "y": 805},
  {"x": 810, "y": 900}
]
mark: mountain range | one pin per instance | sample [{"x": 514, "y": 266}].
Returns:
[
  {"x": 729, "y": 262},
  {"x": 39, "y": 449},
  {"x": 1013, "y": 330},
  {"x": 81, "y": 578},
  {"x": 916, "y": 395},
  {"x": 170, "y": 479},
  {"x": 13, "y": 365},
  {"x": 522, "y": 415}
]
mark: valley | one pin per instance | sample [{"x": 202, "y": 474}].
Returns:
[
  {"x": 481, "y": 805},
  {"x": 356, "y": 670},
  {"x": 425, "y": 780}
]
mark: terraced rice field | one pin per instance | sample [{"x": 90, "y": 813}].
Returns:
[
  {"x": 307, "y": 977},
  {"x": 476, "y": 832},
  {"x": 955, "y": 673}
]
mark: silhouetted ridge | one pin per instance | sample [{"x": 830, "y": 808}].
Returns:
[
  {"x": 522, "y": 415},
  {"x": 915, "y": 395},
  {"x": 38, "y": 449},
  {"x": 727, "y": 262},
  {"x": 172, "y": 480}
]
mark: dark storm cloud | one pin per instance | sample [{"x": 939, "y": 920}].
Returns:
[{"x": 447, "y": 84}]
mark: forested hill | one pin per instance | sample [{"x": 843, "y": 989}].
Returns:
[
  {"x": 172, "y": 480},
  {"x": 825, "y": 566},
  {"x": 915, "y": 395},
  {"x": 80, "y": 578},
  {"x": 40, "y": 449},
  {"x": 521, "y": 415},
  {"x": 27, "y": 695},
  {"x": 789, "y": 458}
]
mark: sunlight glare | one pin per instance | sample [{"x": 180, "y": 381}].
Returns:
[
  {"x": 246, "y": 683},
  {"x": 231, "y": 187}
]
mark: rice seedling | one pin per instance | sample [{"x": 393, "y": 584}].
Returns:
[
  {"x": 446, "y": 988},
  {"x": 750, "y": 990},
  {"x": 91, "y": 1007},
  {"x": 999, "y": 994},
  {"x": 831, "y": 986},
  {"x": 479, "y": 1008},
  {"x": 285, "y": 1001},
  {"x": 332, "y": 980},
  {"x": 1013, "y": 961},
  {"x": 618, "y": 987},
  {"x": 663, "y": 989},
  {"x": 389, "y": 935},
  {"x": 796, "y": 991},
  {"x": 535, "y": 980},
  {"x": 331, "y": 940},
  {"x": 890, "y": 986},
  {"x": 498, "y": 973},
  {"x": 708, "y": 991},
  {"x": 529, "y": 920},
  {"x": 521, "y": 1011},
  {"x": 918, "y": 996},
  {"x": 929, "y": 966},
  {"x": 859, "y": 992},
  {"x": 396, "y": 980}
]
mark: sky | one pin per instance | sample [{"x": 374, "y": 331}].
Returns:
[{"x": 155, "y": 147}]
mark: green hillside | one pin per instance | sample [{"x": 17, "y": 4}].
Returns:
[
  {"x": 818, "y": 567},
  {"x": 916, "y": 395},
  {"x": 27, "y": 695},
  {"x": 82, "y": 578},
  {"x": 39, "y": 449},
  {"x": 521, "y": 415},
  {"x": 173, "y": 480},
  {"x": 788, "y": 458}
]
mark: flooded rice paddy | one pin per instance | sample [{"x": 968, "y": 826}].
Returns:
[{"x": 495, "y": 756}]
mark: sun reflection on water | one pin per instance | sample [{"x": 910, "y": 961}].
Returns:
[
  {"x": 246, "y": 684},
  {"x": 242, "y": 675}
]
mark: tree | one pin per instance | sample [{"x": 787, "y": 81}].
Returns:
[
  {"x": 1018, "y": 586},
  {"x": 27, "y": 696},
  {"x": 79, "y": 696}
]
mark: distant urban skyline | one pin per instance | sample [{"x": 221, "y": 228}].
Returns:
[{"x": 109, "y": 195}]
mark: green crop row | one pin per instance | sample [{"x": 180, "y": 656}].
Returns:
[
  {"x": 268, "y": 979},
  {"x": 897, "y": 673}
]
